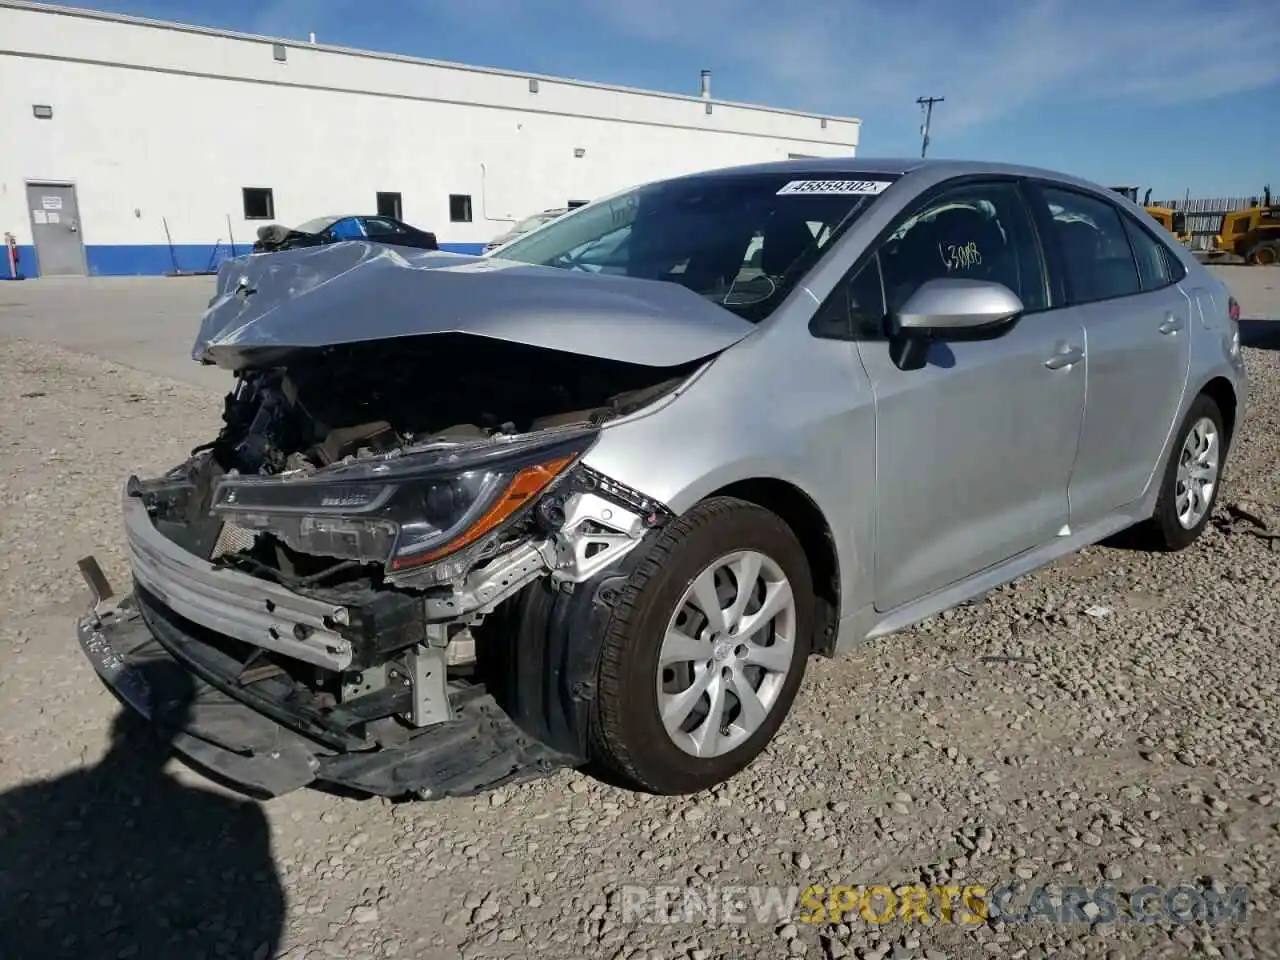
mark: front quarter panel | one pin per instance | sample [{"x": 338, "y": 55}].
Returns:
[{"x": 779, "y": 405}]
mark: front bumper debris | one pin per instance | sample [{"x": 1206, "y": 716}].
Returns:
[
  {"x": 235, "y": 604},
  {"x": 257, "y": 745}
]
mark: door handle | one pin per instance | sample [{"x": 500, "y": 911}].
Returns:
[
  {"x": 1172, "y": 324},
  {"x": 1065, "y": 358}
]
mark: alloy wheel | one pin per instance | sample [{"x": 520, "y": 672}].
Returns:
[
  {"x": 726, "y": 654},
  {"x": 1197, "y": 476}
]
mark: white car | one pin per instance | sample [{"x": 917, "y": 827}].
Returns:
[{"x": 525, "y": 226}]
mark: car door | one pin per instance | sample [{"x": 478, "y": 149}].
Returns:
[
  {"x": 1123, "y": 287},
  {"x": 973, "y": 451}
]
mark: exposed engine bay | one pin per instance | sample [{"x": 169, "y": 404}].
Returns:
[
  {"x": 331, "y": 403},
  {"x": 394, "y": 495}
]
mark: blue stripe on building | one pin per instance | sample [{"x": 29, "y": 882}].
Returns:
[{"x": 158, "y": 259}]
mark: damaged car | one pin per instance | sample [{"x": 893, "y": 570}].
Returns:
[{"x": 598, "y": 499}]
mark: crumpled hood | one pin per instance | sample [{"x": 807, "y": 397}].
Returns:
[{"x": 269, "y": 305}]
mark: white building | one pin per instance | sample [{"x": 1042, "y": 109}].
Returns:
[{"x": 132, "y": 146}]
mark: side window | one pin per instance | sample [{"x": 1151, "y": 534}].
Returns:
[
  {"x": 1095, "y": 246},
  {"x": 977, "y": 231},
  {"x": 866, "y": 302},
  {"x": 377, "y": 227},
  {"x": 855, "y": 308},
  {"x": 1157, "y": 266},
  {"x": 348, "y": 228}
]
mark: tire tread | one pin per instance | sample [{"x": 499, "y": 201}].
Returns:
[
  {"x": 1162, "y": 532},
  {"x": 607, "y": 742}
]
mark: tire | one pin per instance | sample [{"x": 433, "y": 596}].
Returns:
[
  {"x": 1265, "y": 254},
  {"x": 1165, "y": 530},
  {"x": 628, "y": 736}
]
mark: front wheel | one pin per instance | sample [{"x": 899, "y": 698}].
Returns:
[
  {"x": 705, "y": 651},
  {"x": 1189, "y": 487}
]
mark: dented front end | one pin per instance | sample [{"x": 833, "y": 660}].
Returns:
[{"x": 388, "y": 571}]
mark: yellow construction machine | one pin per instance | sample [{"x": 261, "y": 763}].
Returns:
[
  {"x": 1172, "y": 220},
  {"x": 1253, "y": 234}
]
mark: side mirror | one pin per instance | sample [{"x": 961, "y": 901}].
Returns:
[{"x": 950, "y": 308}]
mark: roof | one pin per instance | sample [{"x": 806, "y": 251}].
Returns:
[
  {"x": 423, "y": 61},
  {"x": 893, "y": 166},
  {"x": 335, "y": 217},
  {"x": 827, "y": 165}
]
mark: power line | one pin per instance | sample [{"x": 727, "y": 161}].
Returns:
[{"x": 927, "y": 104}]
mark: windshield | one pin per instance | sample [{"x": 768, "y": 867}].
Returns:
[
  {"x": 316, "y": 225},
  {"x": 742, "y": 241}
]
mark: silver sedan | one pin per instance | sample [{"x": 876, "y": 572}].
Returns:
[{"x": 600, "y": 496}]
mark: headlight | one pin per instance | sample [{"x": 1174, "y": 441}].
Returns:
[{"x": 402, "y": 510}]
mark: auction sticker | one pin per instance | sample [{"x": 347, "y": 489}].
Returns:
[{"x": 855, "y": 188}]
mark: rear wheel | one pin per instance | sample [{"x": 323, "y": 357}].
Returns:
[
  {"x": 705, "y": 650},
  {"x": 1189, "y": 488},
  {"x": 1265, "y": 254}
]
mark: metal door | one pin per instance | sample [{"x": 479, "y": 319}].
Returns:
[
  {"x": 55, "y": 226},
  {"x": 973, "y": 453},
  {"x": 1139, "y": 362}
]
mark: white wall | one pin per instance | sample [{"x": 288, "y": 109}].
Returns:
[{"x": 173, "y": 122}]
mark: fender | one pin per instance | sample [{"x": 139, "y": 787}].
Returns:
[{"x": 539, "y": 652}]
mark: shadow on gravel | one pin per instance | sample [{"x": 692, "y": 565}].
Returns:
[
  {"x": 1260, "y": 334},
  {"x": 120, "y": 860},
  {"x": 1130, "y": 538}
]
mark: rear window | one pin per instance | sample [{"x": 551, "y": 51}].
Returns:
[
  {"x": 740, "y": 240},
  {"x": 1099, "y": 260},
  {"x": 317, "y": 225}
]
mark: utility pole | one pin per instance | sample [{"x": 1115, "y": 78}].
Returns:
[{"x": 926, "y": 103}]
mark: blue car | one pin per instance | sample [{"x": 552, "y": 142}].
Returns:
[{"x": 323, "y": 230}]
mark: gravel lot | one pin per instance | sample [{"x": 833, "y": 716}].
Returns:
[{"x": 1114, "y": 719}]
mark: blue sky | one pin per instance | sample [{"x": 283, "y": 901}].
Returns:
[{"x": 1174, "y": 95}]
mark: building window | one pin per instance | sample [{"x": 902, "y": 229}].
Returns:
[
  {"x": 42, "y": 111},
  {"x": 389, "y": 206},
  {"x": 533, "y": 85},
  {"x": 278, "y": 51},
  {"x": 708, "y": 109},
  {"x": 460, "y": 207},
  {"x": 575, "y": 204},
  {"x": 824, "y": 123},
  {"x": 259, "y": 203}
]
